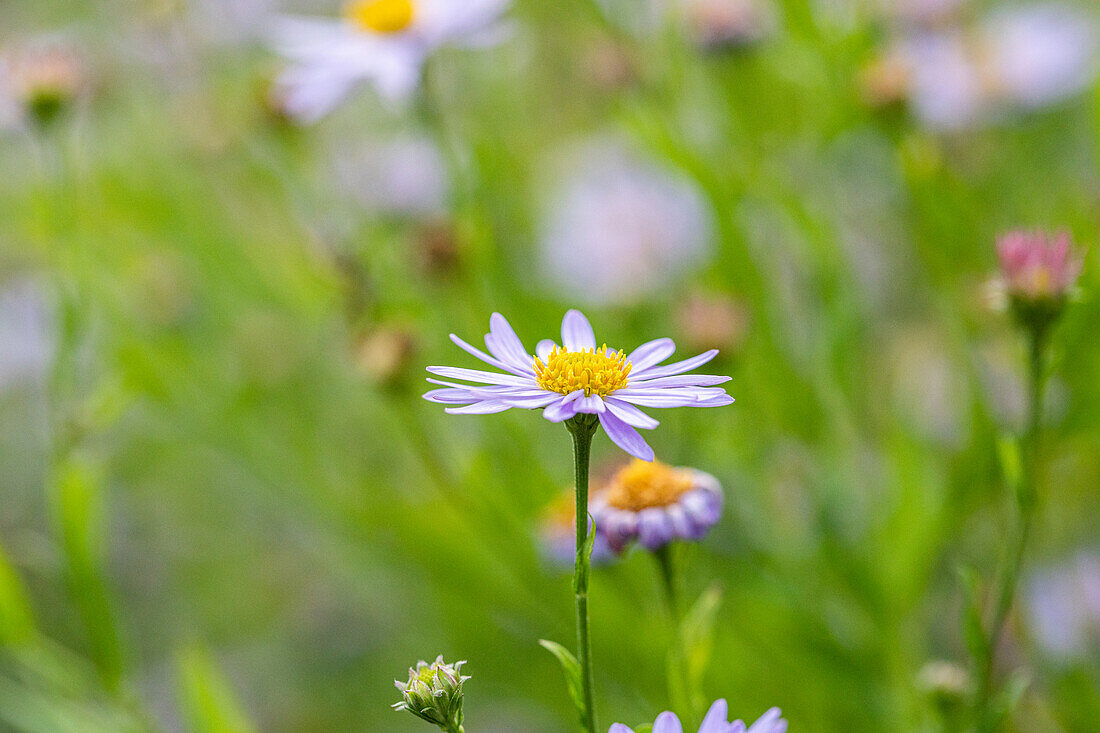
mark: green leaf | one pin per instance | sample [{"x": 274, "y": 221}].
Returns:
[
  {"x": 78, "y": 513},
  {"x": 690, "y": 656},
  {"x": 580, "y": 580},
  {"x": 1010, "y": 696},
  {"x": 207, "y": 699},
  {"x": 572, "y": 669},
  {"x": 1008, "y": 451},
  {"x": 16, "y": 618},
  {"x": 973, "y": 628}
]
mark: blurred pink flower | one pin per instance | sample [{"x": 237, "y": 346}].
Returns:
[{"x": 1037, "y": 266}]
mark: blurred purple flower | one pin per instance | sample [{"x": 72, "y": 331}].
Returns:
[
  {"x": 1064, "y": 607},
  {"x": 28, "y": 338},
  {"x": 655, "y": 504},
  {"x": 1018, "y": 58},
  {"x": 557, "y": 534},
  {"x": 1040, "y": 54},
  {"x": 715, "y": 722},
  {"x": 578, "y": 378},
  {"x": 621, "y": 227},
  {"x": 1038, "y": 266}
]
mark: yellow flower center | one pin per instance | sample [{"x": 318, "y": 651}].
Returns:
[
  {"x": 598, "y": 372},
  {"x": 426, "y": 674},
  {"x": 643, "y": 485},
  {"x": 380, "y": 16}
]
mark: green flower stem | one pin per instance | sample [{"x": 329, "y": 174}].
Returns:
[
  {"x": 667, "y": 565},
  {"x": 583, "y": 428},
  {"x": 1026, "y": 497}
]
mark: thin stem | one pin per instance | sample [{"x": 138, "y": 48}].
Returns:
[
  {"x": 1026, "y": 496},
  {"x": 582, "y": 428},
  {"x": 666, "y": 564}
]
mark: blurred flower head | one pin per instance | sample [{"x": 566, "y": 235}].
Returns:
[
  {"x": 40, "y": 81},
  {"x": 656, "y": 504},
  {"x": 578, "y": 378},
  {"x": 557, "y": 533},
  {"x": 728, "y": 23},
  {"x": 715, "y": 722},
  {"x": 1040, "y": 54},
  {"x": 917, "y": 13},
  {"x": 384, "y": 354},
  {"x": 947, "y": 685},
  {"x": 620, "y": 228},
  {"x": 28, "y": 337},
  {"x": 1037, "y": 271},
  {"x": 400, "y": 176},
  {"x": 713, "y": 322},
  {"x": 1063, "y": 604},
  {"x": 1017, "y": 58},
  {"x": 434, "y": 693},
  {"x": 381, "y": 42}
]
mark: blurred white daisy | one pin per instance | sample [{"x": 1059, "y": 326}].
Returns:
[
  {"x": 620, "y": 227},
  {"x": 402, "y": 176},
  {"x": 381, "y": 42}
]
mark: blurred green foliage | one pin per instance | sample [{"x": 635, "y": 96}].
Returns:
[{"x": 206, "y": 467}]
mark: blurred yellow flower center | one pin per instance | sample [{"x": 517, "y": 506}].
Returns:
[
  {"x": 380, "y": 16},
  {"x": 643, "y": 485},
  {"x": 426, "y": 675},
  {"x": 598, "y": 372}
]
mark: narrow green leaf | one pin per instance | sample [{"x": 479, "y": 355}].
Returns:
[
  {"x": 208, "y": 700},
  {"x": 580, "y": 580},
  {"x": 78, "y": 510},
  {"x": 697, "y": 645},
  {"x": 16, "y": 618},
  {"x": 973, "y": 628},
  {"x": 572, "y": 669}
]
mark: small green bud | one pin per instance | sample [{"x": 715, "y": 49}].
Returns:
[
  {"x": 947, "y": 687},
  {"x": 433, "y": 693}
]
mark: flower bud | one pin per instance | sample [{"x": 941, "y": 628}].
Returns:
[
  {"x": 45, "y": 80},
  {"x": 1037, "y": 272},
  {"x": 434, "y": 693},
  {"x": 947, "y": 686}
]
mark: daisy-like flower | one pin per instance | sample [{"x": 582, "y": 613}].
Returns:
[
  {"x": 656, "y": 504},
  {"x": 381, "y": 42},
  {"x": 715, "y": 722},
  {"x": 578, "y": 378}
]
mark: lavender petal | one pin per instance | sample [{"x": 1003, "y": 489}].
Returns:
[
  {"x": 651, "y": 353},
  {"x": 576, "y": 332},
  {"x": 678, "y": 367},
  {"x": 625, "y": 437}
]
